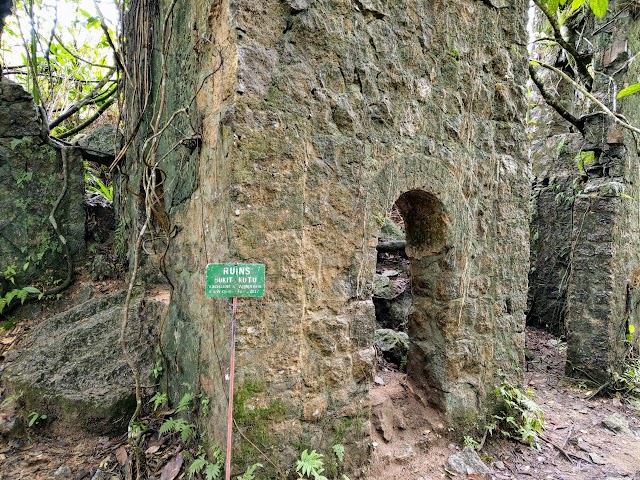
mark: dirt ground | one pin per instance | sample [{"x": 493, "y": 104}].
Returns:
[
  {"x": 410, "y": 441},
  {"x": 575, "y": 444}
]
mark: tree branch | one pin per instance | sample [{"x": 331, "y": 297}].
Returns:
[
  {"x": 552, "y": 102},
  {"x": 89, "y": 98},
  {"x": 581, "y": 59},
  {"x": 90, "y": 120},
  {"x": 616, "y": 118},
  {"x": 77, "y": 57}
]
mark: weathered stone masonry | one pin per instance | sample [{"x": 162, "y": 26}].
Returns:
[
  {"x": 315, "y": 117},
  {"x": 585, "y": 227}
]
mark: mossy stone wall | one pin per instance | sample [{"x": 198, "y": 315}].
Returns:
[{"x": 314, "y": 118}]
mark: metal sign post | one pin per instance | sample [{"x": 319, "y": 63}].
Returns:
[{"x": 225, "y": 280}]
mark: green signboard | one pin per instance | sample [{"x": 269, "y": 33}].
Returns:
[{"x": 235, "y": 280}]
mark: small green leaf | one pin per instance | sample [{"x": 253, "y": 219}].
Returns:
[
  {"x": 552, "y": 6},
  {"x": 576, "y": 4},
  {"x": 599, "y": 7},
  {"x": 628, "y": 90},
  {"x": 632, "y": 329},
  {"x": 197, "y": 465},
  {"x": 213, "y": 471}
]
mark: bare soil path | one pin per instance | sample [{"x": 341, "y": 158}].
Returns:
[{"x": 412, "y": 443}]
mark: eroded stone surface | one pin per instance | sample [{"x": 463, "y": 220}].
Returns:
[
  {"x": 72, "y": 368},
  {"x": 317, "y": 118}
]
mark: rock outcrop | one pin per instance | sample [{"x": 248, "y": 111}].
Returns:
[{"x": 72, "y": 368}]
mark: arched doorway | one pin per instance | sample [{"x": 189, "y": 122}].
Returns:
[
  {"x": 410, "y": 295},
  {"x": 428, "y": 251}
]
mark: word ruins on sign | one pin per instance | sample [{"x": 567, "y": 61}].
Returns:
[{"x": 235, "y": 280}]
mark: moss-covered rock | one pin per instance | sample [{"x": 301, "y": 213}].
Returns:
[{"x": 72, "y": 368}]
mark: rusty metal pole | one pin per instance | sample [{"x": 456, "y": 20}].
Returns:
[{"x": 232, "y": 369}]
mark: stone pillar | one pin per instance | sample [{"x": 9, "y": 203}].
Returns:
[
  {"x": 314, "y": 118},
  {"x": 586, "y": 258}
]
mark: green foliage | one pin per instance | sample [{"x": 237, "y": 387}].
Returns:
[
  {"x": 584, "y": 158},
  {"x": 628, "y": 383},
  {"x": 156, "y": 371},
  {"x": 205, "y": 405},
  {"x": 19, "y": 293},
  {"x": 35, "y": 418},
  {"x": 598, "y": 7},
  {"x": 630, "y": 331},
  {"x": 136, "y": 429},
  {"x": 631, "y": 89},
  {"x": 310, "y": 465},
  {"x": 185, "y": 402},
  {"x": 212, "y": 470},
  {"x": 403, "y": 363},
  {"x": 186, "y": 430},
  {"x": 180, "y": 426},
  {"x": 249, "y": 472},
  {"x": 159, "y": 400},
  {"x": 470, "y": 441},
  {"x": 338, "y": 449},
  {"x": 520, "y": 416},
  {"x": 59, "y": 52},
  {"x": 98, "y": 182}
]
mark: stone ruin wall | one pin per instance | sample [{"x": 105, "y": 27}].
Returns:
[
  {"x": 584, "y": 233},
  {"x": 32, "y": 177},
  {"x": 314, "y": 118}
]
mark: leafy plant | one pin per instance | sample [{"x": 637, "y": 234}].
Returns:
[
  {"x": 469, "y": 441},
  {"x": 212, "y": 470},
  {"x": 156, "y": 371},
  {"x": 61, "y": 59},
  {"x": 249, "y": 473},
  {"x": 630, "y": 331},
  {"x": 159, "y": 400},
  {"x": 185, "y": 402},
  {"x": 520, "y": 416},
  {"x": 310, "y": 465},
  {"x": 338, "y": 449},
  {"x": 35, "y": 418},
  {"x": 19, "y": 293},
  {"x": 97, "y": 182},
  {"x": 628, "y": 382},
  {"x": 598, "y": 7},
  {"x": 180, "y": 426},
  {"x": 584, "y": 158}
]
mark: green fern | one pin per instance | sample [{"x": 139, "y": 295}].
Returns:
[
  {"x": 185, "y": 429},
  {"x": 184, "y": 402},
  {"x": 213, "y": 471},
  {"x": 249, "y": 473},
  {"x": 338, "y": 449},
  {"x": 197, "y": 466},
  {"x": 310, "y": 465}
]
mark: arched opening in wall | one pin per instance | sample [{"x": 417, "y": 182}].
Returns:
[{"x": 407, "y": 395}]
